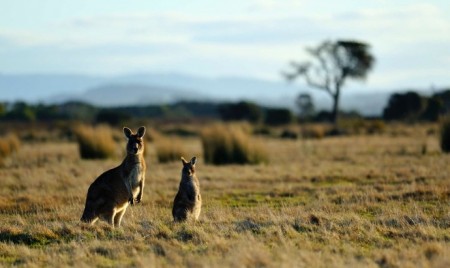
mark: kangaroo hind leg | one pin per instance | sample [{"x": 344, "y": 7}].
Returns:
[
  {"x": 118, "y": 217},
  {"x": 108, "y": 212}
]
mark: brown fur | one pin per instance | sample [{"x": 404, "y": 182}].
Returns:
[
  {"x": 109, "y": 195},
  {"x": 188, "y": 201}
]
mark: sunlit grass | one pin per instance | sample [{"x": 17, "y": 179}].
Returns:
[{"x": 364, "y": 201}]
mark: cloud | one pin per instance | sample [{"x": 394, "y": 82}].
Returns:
[
  {"x": 411, "y": 23},
  {"x": 408, "y": 24},
  {"x": 21, "y": 38},
  {"x": 258, "y": 41},
  {"x": 271, "y": 5}
]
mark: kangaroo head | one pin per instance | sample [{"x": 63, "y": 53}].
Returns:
[
  {"x": 189, "y": 167},
  {"x": 135, "y": 143}
]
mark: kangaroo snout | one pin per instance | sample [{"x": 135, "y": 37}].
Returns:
[{"x": 135, "y": 149}]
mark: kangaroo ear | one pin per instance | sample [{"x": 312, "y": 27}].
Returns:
[
  {"x": 127, "y": 132},
  {"x": 141, "y": 132},
  {"x": 184, "y": 161},
  {"x": 193, "y": 161}
]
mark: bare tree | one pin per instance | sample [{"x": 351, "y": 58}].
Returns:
[{"x": 333, "y": 63}]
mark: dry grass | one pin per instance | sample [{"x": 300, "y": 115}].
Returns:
[
  {"x": 95, "y": 142},
  {"x": 364, "y": 201},
  {"x": 361, "y": 126},
  {"x": 9, "y": 144},
  {"x": 166, "y": 148},
  {"x": 229, "y": 144},
  {"x": 169, "y": 149},
  {"x": 314, "y": 131}
]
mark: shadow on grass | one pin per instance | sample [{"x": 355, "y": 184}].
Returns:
[
  {"x": 248, "y": 225},
  {"x": 26, "y": 239}
]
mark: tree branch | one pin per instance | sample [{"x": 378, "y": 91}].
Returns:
[
  {"x": 323, "y": 63},
  {"x": 310, "y": 82},
  {"x": 304, "y": 70}
]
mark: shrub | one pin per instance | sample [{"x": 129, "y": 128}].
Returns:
[
  {"x": 181, "y": 131},
  {"x": 289, "y": 134},
  {"x": 404, "y": 106},
  {"x": 14, "y": 142},
  {"x": 278, "y": 116},
  {"x": 112, "y": 117},
  {"x": 352, "y": 125},
  {"x": 227, "y": 144},
  {"x": 313, "y": 131},
  {"x": 243, "y": 110},
  {"x": 8, "y": 145},
  {"x": 168, "y": 150},
  {"x": 263, "y": 130},
  {"x": 95, "y": 142},
  {"x": 376, "y": 126},
  {"x": 445, "y": 135},
  {"x": 361, "y": 126}
]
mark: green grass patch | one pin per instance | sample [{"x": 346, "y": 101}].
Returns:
[
  {"x": 327, "y": 181},
  {"x": 32, "y": 240},
  {"x": 11, "y": 260}
]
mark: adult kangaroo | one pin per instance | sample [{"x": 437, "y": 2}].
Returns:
[{"x": 109, "y": 195}]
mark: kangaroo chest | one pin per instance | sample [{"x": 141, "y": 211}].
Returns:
[
  {"x": 189, "y": 187},
  {"x": 134, "y": 176}
]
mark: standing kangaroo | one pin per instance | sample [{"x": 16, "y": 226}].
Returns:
[
  {"x": 109, "y": 195},
  {"x": 188, "y": 201}
]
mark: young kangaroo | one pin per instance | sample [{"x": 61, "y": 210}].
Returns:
[
  {"x": 109, "y": 195},
  {"x": 188, "y": 202}
]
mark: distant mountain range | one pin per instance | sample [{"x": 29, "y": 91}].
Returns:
[
  {"x": 128, "y": 95},
  {"x": 142, "y": 89}
]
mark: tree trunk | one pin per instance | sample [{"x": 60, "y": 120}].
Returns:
[{"x": 335, "y": 111}]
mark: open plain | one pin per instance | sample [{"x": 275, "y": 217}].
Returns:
[{"x": 362, "y": 201}]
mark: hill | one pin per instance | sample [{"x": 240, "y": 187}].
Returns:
[{"x": 142, "y": 89}]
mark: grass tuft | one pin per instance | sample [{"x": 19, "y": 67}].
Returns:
[
  {"x": 231, "y": 144},
  {"x": 168, "y": 149},
  {"x": 8, "y": 145},
  {"x": 248, "y": 225},
  {"x": 95, "y": 142}
]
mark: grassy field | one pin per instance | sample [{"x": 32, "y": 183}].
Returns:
[{"x": 367, "y": 201}]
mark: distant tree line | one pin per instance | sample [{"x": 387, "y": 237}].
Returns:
[
  {"x": 411, "y": 106},
  {"x": 21, "y": 111},
  {"x": 408, "y": 106},
  {"x": 247, "y": 111}
]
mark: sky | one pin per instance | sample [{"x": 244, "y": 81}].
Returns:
[{"x": 242, "y": 38}]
